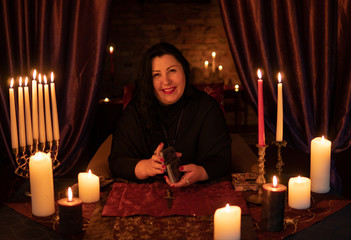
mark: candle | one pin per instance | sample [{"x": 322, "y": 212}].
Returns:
[
  {"x": 89, "y": 187},
  {"x": 279, "y": 131},
  {"x": 22, "y": 134},
  {"x": 35, "y": 106},
  {"x": 41, "y": 184},
  {"x": 206, "y": 69},
  {"x": 273, "y": 206},
  {"x": 261, "y": 135},
  {"x": 54, "y": 109},
  {"x": 227, "y": 223},
  {"x": 299, "y": 194},
  {"x": 70, "y": 214},
  {"x": 213, "y": 62},
  {"x": 42, "y": 138},
  {"x": 320, "y": 165},
  {"x": 220, "y": 68},
  {"x": 13, "y": 118},
  {"x": 47, "y": 111},
  {"x": 111, "y": 59},
  {"x": 28, "y": 115}
]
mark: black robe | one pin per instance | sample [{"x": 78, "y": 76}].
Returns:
[{"x": 202, "y": 136}]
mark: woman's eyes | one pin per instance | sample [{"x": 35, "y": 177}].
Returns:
[
  {"x": 172, "y": 70},
  {"x": 155, "y": 75}
]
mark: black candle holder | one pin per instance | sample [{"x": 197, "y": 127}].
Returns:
[
  {"x": 22, "y": 155},
  {"x": 257, "y": 199},
  {"x": 280, "y": 162}
]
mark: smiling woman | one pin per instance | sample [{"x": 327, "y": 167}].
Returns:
[{"x": 166, "y": 110}]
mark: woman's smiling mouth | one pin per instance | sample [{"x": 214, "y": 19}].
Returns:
[{"x": 168, "y": 90}]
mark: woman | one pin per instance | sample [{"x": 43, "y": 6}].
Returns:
[{"x": 166, "y": 110}]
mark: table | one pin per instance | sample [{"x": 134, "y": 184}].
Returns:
[{"x": 14, "y": 225}]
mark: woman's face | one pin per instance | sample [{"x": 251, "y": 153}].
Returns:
[{"x": 168, "y": 79}]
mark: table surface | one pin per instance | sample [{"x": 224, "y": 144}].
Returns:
[{"x": 14, "y": 225}]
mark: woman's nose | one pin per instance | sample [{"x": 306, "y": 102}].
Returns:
[{"x": 166, "y": 80}]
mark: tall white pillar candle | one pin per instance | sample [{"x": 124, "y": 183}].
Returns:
[
  {"x": 42, "y": 138},
  {"x": 35, "y": 106},
  {"x": 227, "y": 223},
  {"x": 213, "y": 62},
  {"x": 299, "y": 192},
  {"x": 13, "y": 118},
  {"x": 41, "y": 184},
  {"x": 22, "y": 134},
  {"x": 55, "y": 121},
  {"x": 48, "y": 123},
  {"x": 29, "y": 134},
  {"x": 88, "y": 187},
  {"x": 279, "y": 130},
  {"x": 320, "y": 165}
]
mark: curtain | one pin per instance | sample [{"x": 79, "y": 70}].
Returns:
[
  {"x": 68, "y": 38},
  {"x": 309, "y": 42}
]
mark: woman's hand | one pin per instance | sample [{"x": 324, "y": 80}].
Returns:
[
  {"x": 150, "y": 167},
  {"x": 192, "y": 174}
]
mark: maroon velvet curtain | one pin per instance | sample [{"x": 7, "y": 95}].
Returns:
[
  {"x": 309, "y": 42},
  {"x": 63, "y": 36}
]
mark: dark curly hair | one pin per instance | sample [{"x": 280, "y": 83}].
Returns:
[{"x": 144, "y": 97}]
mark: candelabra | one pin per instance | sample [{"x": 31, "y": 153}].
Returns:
[
  {"x": 280, "y": 162},
  {"x": 22, "y": 155},
  {"x": 257, "y": 199}
]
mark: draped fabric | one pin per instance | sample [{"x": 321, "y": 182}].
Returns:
[
  {"x": 63, "y": 36},
  {"x": 309, "y": 43}
]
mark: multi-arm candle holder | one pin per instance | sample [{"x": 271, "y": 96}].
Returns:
[
  {"x": 257, "y": 199},
  {"x": 280, "y": 162},
  {"x": 24, "y": 153}
]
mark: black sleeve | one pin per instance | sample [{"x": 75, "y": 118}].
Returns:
[
  {"x": 128, "y": 146},
  {"x": 214, "y": 142}
]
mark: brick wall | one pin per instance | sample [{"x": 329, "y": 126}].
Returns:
[{"x": 195, "y": 27}]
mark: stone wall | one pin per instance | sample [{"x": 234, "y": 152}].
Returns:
[{"x": 195, "y": 27}]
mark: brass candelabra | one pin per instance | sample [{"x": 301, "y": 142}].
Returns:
[
  {"x": 280, "y": 162},
  {"x": 22, "y": 155}
]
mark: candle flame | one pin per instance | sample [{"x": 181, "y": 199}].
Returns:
[
  {"x": 220, "y": 67},
  {"x": 259, "y": 74},
  {"x": 111, "y": 49},
  {"x": 106, "y": 100},
  {"x": 227, "y": 208},
  {"x": 26, "y": 81},
  {"x": 52, "y": 76},
  {"x": 45, "y": 80},
  {"x": 213, "y": 54},
  {"x": 39, "y": 78},
  {"x": 11, "y": 84},
  {"x": 89, "y": 172},
  {"x": 275, "y": 181},
  {"x": 20, "y": 81},
  {"x": 206, "y": 63},
  {"x": 279, "y": 78},
  {"x": 299, "y": 179},
  {"x": 236, "y": 87},
  {"x": 69, "y": 194},
  {"x": 322, "y": 139},
  {"x": 34, "y": 74}
]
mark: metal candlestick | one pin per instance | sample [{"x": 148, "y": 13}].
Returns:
[
  {"x": 280, "y": 162},
  {"x": 257, "y": 199},
  {"x": 24, "y": 153}
]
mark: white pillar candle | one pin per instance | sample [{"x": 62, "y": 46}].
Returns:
[
  {"x": 48, "y": 123},
  {"x": 299, "y": 192},
  {"x": 35, "y": 106},
  {"x": 41, "y": 184},
  {"x": 213, "y": 62},
  {"x": 13, "y": 118},
  {"x": 320, "y": 165},
  {"x": 22, "y": 134},
  {"x": 55, "y": 121},
  {"x": 42, "y": 138},
  {"x": 29, "y": 134},
  {"x": 279, "y": 130},
  {"x": 89, "y": 187},
  {"x": 227, "y": 223}
]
